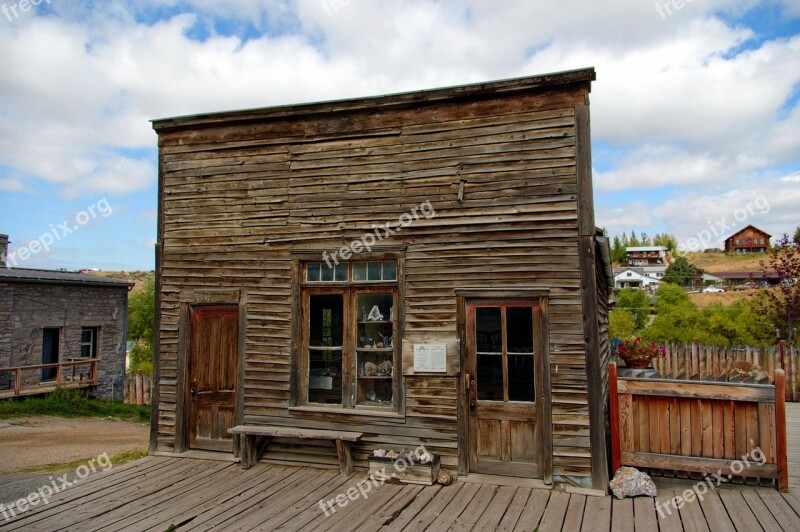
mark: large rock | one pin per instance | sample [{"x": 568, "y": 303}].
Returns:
[{"x": 630, "y": 482}]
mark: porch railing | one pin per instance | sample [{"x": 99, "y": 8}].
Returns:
[{"x": 12, "y": 378}]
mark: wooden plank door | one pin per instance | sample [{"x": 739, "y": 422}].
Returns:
[
  {"x": 502, "y": 362},
  {"x": 213, "y": 374}
]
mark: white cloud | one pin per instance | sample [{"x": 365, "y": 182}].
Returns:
[{"x": 689, "y": 102}]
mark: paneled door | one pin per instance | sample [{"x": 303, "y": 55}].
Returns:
[
  {"x": 213, "y": 374},
  {"x": 502, "y": 365}
]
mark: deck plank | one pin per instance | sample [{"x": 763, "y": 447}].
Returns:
[
  {"x": 409, "y": 513},
  {"x": 738, "y": 510},
  {"x": 288, "y": 498},
  {"x": 622, "y": 515},
  {"x": 692, "y": 515},
  {"x": 247, "y": 498},
  {"x": 495, "y": 511},
  {"x": 470, "y": 516},
  {"x": 574, "y": 516},
  {"x": 449, "y": 515},
  {"x": 553, "y": 518},
  {"x": 390, "y": 511},
  {"x": 597, "y": 514},
  {"x": 431, "y": 510},
  {"x": 668, "y": 516},
  {"x": 358, "y": 511},
  {"x": 514, "y": 510},
  {"x": 780, "y": 509},
  {"x": 714, "y": 510},
  {"x": 162, "y": 494},
  {"x": 92, "y": 487},
  {"x": 98, "y": 503},
  {"x": 533, "y": 511},
  {"x": 760, "y": 510},
  {"x": 644, "y": 514},
  {"x": 156, "y": 492}
]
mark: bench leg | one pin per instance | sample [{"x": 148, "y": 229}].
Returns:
[
  {"x": 345, "y": 457},
  {"x": 252, "y": 449}
]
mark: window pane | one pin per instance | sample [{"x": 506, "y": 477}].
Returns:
[
  {"x": 312, "y": 271},
  {"x": 325, "y": 320},
  {"x": 374, "y": 271},
  {"x": 490, "y": 377},
  {"x": 520, "y": 378},
  {"x": 487, "y": 326},
  {"x": 324, "y": 376},
  {"x": 86, "y": 335},
  {"x": 374, "y": 307},
  {"x": 341, "y": 272},
  {"x": 327, "y": 273},
  {"x": 359, "y": 271},
  {"x": 519, "y": 329},
  {"x": 390, "y": 271}
]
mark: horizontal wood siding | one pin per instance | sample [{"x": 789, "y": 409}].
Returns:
[{"x": 323, "y": 181}]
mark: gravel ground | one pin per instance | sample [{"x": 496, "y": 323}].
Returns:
[{"x": 44, "y": 440}]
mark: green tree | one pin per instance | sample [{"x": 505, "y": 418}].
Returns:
[
  {"x": 679, "y": 320},
  {"x": 141, "y": 320},
  {"x": 680, "y": 272},
  {"x": 782, "y": 303},
  {"x": 636, "y": 303},
  {"x": 142, "y": 311},
  {"x": 796, "y": 238},
  {"x": 618, "y": 251},
  {"x": 621, "y": 324},
  {"x": 667, "y": 240}
]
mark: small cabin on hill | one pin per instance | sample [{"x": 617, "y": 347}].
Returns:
[
  {"x": 403, "y": 270},
  {"x": 748, "y": 240}
]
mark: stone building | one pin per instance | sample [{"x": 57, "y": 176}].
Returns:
[{"x": 73, "y": 324}]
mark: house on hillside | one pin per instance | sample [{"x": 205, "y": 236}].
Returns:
[
  {"x": 61, "y": 328},
  {"x": 384, "y": 272},
  {"x": 635, "y": 278},
  {"x": 651, "y": 260},
  {"x": 748, "y": 240}
]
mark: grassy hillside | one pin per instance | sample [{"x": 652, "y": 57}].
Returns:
[
  {"x": 137, "y": 277},
  {"x": 718, "y": 261}
]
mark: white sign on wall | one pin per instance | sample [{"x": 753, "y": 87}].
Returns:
[{"x": 430, "y": 358}]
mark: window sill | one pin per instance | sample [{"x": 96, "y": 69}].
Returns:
[{"x": 359, "y": 411}]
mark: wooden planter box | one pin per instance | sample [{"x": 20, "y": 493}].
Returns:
[{"x": 415, "y": 473}]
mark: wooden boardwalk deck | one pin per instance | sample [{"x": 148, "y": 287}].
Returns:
[{"x": 191, "y": 494}]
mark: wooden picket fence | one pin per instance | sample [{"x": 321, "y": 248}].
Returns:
[
  {"x": 710, "y": 362},
  {"x": 137, "y": 389}
]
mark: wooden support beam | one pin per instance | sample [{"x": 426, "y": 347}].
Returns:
[
  {"x": 614, "y": 417},
  {"x": 780, "y": 430}
]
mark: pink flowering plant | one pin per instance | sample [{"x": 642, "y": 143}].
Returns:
[{"x": 636, "y": 353}]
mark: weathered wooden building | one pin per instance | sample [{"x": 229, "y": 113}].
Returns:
[
  {"x": 61, "y": 329},
  {"x": 418, "y": 268}
]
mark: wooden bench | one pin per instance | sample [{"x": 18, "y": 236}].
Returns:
[{"x": 256, "y": 439}]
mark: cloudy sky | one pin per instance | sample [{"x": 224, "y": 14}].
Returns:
[{"x": 695, "y": 111}]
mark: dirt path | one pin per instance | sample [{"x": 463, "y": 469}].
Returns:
[{"x": 44, "y": 440}]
